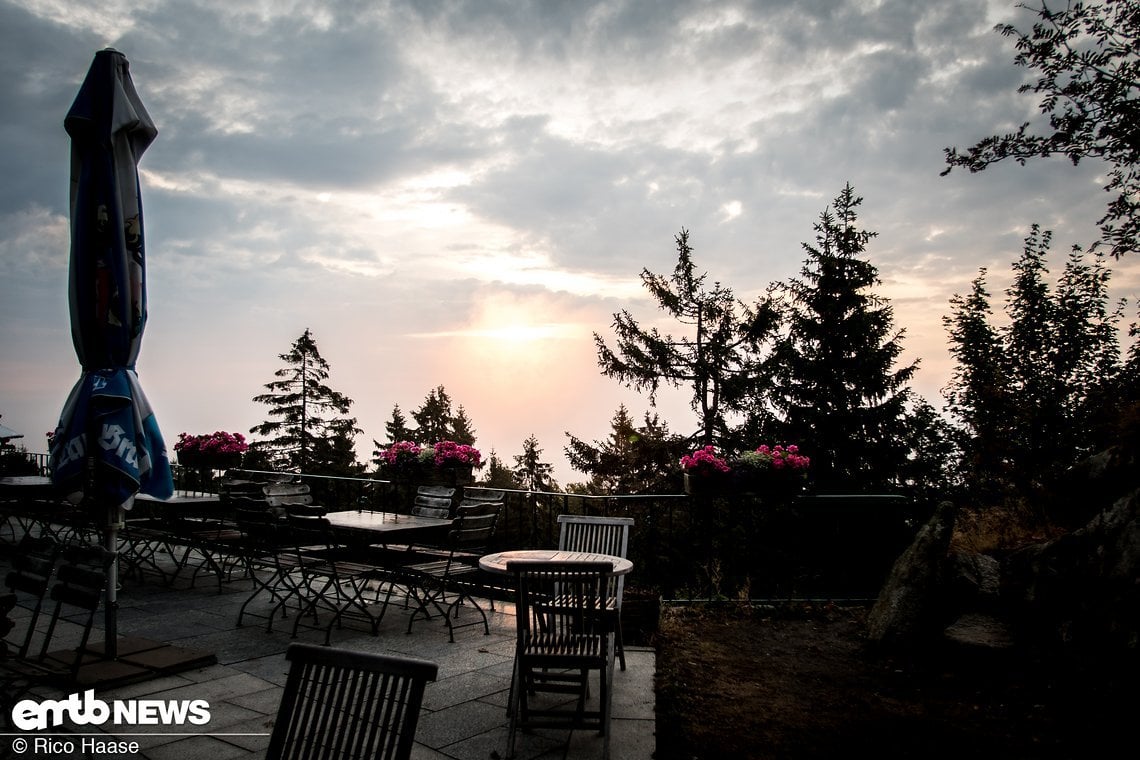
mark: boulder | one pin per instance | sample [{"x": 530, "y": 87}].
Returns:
[
  {"x": 1082, "y": 591},
  {"x": 910, "y": 608},
  {"x": 973, "y": 581},
  {"x": 978, "y": 631},
  {"x": 1096, "y": 482}
]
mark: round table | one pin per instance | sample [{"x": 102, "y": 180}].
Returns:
[{"x": 497, "y": 562}]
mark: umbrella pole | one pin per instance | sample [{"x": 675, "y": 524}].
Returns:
[
  {"x": 111, "y": 522},
  {"x": 111, "y": 606}
]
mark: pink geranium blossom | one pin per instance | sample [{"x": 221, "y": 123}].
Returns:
[
  {"x": 401, "y": 453},
  {"x": 784, "y": 457},
  {"x": 219, "y": 442},
  {"x": 704, "y": 461},
  {"x": 450, "y": 453}
]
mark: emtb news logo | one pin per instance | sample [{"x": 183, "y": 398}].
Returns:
[{"x": 30, "y": 715}]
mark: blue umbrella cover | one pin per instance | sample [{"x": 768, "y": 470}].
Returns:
[{"x": 108, "y": 445}]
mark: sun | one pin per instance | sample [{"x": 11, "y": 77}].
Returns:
[
  {"x": 521, "y": 332},
  {"x": 518, "y": 322}
]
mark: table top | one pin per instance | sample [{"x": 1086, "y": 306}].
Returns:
[
  {"x": 182, "y": 497},
  {"x": 383, "y": 522},
  {"x": 497, "y": 562},
  {"x": 26, "y": 485},
  {"x": 33, "y": 485}
]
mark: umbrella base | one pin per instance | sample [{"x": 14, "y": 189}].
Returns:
[{"x": 138, "y": 660}]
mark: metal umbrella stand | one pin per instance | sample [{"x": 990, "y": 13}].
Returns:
[{"x": 107, "y": 447}]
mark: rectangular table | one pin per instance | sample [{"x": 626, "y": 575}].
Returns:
[
  {"x": 363, "y": 528},
  {"x": 383, "y": 524},
  {"x": 30, "y": 500}
]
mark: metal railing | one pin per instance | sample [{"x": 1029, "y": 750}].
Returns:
[
  {"x": 14, "y": 461},
  {"x": 736, "y": 547},
  {"x": 838, "y": 546}
]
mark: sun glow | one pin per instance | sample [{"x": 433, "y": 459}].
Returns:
[
  {"x": 512, "y": 323},
  {"x": 522, "y": 332}
]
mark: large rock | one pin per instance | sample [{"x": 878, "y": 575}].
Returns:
[
  {"x": 1078, "y": 594},
  {"x": 910, "y": 608},
  {"x": 1097, "y": 482},
  {"x": 974, "y": 582},
  {"x": 1082, "y": 591}
]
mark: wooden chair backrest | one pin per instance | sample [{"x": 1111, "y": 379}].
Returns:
[
  {"x": 348, "y": 704},
  {"x": 600, "y": 535},
  {"x": 433, "y": 501},
  {"x": 474, "y": 527},
  {"x": 563, "y": 600}
]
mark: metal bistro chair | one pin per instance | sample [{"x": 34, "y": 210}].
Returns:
[
  {"x": 340, "y": 704},
  {"x": 564, "y": 633},
  {"x": 457, "y": 572},
  {"x": 32, "y": 572},
  {"x": 271, "y": 564},
  {"x": 336, "y": 585},
  {"x": 430, "y": 501},
  {"x": 600, "y": 535},
  {"x": 77, "y": 590}
]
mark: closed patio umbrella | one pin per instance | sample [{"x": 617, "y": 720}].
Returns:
[{"x": 108, "y": 447}]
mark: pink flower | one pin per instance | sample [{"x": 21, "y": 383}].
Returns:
[
  {"x": 449, "y": 453},
  {"x": 401, "y": 452},
  {"x": 704, "y": 461},
  {"x": 219, "y": 442},
  {"x": 782, "y": 457}
]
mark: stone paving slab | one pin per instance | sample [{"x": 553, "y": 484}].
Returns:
[{"x": 464, "y": 712}]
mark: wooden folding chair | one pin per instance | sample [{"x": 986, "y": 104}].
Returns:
[
  {"x": 564, "y": 633},
  {"x": 343, "y": 705},
  {"x": 600, "y": 535}
]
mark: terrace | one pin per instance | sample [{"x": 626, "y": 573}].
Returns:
[{"x": 682, "y": 547}]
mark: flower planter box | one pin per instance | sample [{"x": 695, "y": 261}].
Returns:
[
  {"x": 450, "y": 476},
  {"x": 707, "y": 485},
  {"x": 769, "y": 486},
  {"x": 209, "y": 461}
]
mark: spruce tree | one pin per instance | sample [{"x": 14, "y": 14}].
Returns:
[
  {"x": 837, "y": 392},
  {"x": 498, "y": 474},
  {"x": 434, "y": 420},
  {"x": 396, "y": 430},
  {"x": 1046, "y": 389},
  {"x": 719, "y": 353},
  {"x": 633, "y": 459},
  {"x": 531, "y": 473},
  {"x": 306, "y": 415},
  {"x": 462, "y": 430}
]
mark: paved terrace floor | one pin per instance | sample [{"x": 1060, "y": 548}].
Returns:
[{"x": 464, "y": 711}]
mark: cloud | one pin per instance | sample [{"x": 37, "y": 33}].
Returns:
[{"x": 381, "y": 171}]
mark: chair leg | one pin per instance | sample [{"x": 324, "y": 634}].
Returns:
[
  {"x": 453, "y": 612},
  {"x": 606, "y": 698},
  {"x": 513, "y": 707},
  {"x": 279, "y": 588},
  {"x": 619, "y": 644},
  {"x": 423, "y": 596},
  {"x": 355, "y": 599}
]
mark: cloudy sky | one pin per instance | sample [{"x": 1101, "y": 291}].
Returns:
[{"x": 461, "y": 193}]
